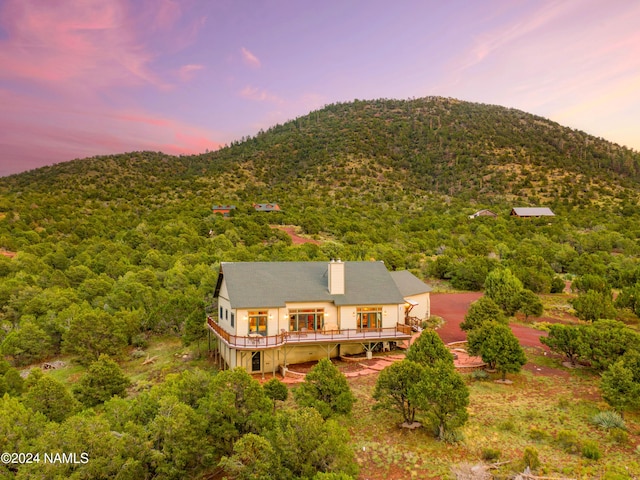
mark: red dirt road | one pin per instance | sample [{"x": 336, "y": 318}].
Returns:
[
  {"x": 453, "y": 307},
  {"x": 295, "y": 238}
]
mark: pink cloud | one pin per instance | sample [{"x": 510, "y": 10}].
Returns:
[
  {"x": 167, "y": 12},
  {"x": 250, "y": 59},
  {"x": 73, "y": 44},
  {"x": 187, "y": 72},
  {"x": 64, "y": 134},
  {"x": 259, "y": 95}
]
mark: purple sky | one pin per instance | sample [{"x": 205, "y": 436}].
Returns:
[{"x": 89, "y": 77}]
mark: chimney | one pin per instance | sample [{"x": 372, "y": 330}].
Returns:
[{"x": 336, "y": 277}]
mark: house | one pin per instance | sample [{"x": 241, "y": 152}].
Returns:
[
  {"x": 532, "y": 212},
  {"x": 272, "y": 314},
  {"x": 224, "y": 210},
  {"x": 266, "y": 207},
  {"x": 483, "y": 213}
]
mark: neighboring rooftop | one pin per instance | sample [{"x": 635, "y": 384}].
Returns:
[
  {"x": 532, "y": 212},
  {"x": 266, "y": 207},
  {"x": 224, "y": 207},
  {"x": 483, "y": 213}
]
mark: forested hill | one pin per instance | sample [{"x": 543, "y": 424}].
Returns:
[{"x": 431, "y": 144}]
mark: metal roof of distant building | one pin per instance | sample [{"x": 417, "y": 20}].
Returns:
[
  {"x": 533, "y": 212},
  {"x": 409, "y": 284},
  {"x": 266, "y": 207},
  {"x": 273, "y": 284}
]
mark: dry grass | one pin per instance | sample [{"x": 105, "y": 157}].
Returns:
[{"x": 542, "y": 401}]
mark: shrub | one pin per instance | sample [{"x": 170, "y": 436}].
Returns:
[
  {"x": 557, "y": 285},
  {"x": 490, "y": 454},
  {"x": 479, "y": 375},
  {"x": 542, "y": 326},
  {"x": 590, "y": 450},
  {"x": 451, "y": 436},
  {"x": 139, "y": 341},
  {"x": 507, "y": 426},
  {"x": 138, "y": 354},
  {"x": 609, "y": 420},
  {"x": 618, "y": 436},
  {"x": 568, "y": 441},
  {"x": 538, "y": 435},
  {"x": 530, "y": 458}
]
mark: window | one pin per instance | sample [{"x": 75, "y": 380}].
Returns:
[
  {"x": 369, "y": 317},
  {"x": 258, "y": 322},
  {"x": 233, "y": 318},
  {"x": 226, "y": 314},
  {"x": 309, "y": 318},
  {"x": 221, "y": 312}
]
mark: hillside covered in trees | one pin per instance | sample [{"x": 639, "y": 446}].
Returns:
[{"x": 103, "y": 254}]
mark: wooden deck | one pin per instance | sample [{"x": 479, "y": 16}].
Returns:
[{"x": 259, "y": 342}]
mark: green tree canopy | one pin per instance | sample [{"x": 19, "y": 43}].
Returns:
[
  {"x": 306, "y": 444},
  {"x": 326, "y": 389},
  {"x": 605, "y": 341},
  {"x": 565, "y": 339},
  {"x": 594, "y": 305},
  {"x": 394, "y": 385},
  {"x": 482, "y": 310},
  {"x": 178, "y": 433},
  {"x": 49, "y": 397},
  {"x": 530, "y": 304},
  {"x": 443, "y": 396},
  {"x": 93, "y": 332},
  {"x": 235, "y": 404},
  {"x": 504, "y": 288},
  {"x": 428, "y": 348},
  {"x": 103, "y": 380},
  {"x": 253, "y": 458},
  {"x": 620, "y": 383},
  {"x": 276, "y": 391},
  {"x": 498, "y": 347},
  {"x": 27, "y": 344}
]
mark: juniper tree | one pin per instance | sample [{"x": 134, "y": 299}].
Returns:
[
  {"x": 326, "y": 389},
  {"x": 498, "y": 347}
]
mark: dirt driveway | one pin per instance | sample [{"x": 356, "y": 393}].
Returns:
[{"x": 453, "y": 307}]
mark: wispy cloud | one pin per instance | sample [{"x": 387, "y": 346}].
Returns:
[
  {"x": 63, "y": 64},
  {"x": 73, "y": 44},
  {"x": 260, "y": 95},
  {"x": 250, "y": 59},
  {"x": 61, "y": 135},
  {"x": 187, "y": 72},
  {"x": 509, "y": 32}
]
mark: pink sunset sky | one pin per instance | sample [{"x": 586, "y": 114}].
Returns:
[{"x": 89, "y": 77}]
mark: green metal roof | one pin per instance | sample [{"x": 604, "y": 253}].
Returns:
[
  {"x": 409, "y": 284},
  {"x": 273, "y": 284}
]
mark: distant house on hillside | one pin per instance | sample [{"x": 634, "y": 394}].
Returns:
[
  {"x": 528, "y": 212},
  {"x": 266, "y": 207},
  {"x": 224, "y": 210},
  {"x": 483, "y": 213},
  {"x": 272, "y": 314}
]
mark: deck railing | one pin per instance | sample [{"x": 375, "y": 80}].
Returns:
[{"x": 257, "y": 341}]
